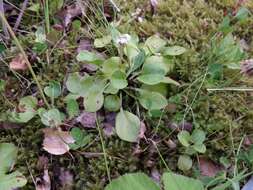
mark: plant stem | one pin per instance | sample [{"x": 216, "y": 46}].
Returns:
[
  {"x": 104, "y": 151},
  {"x": 25, "y": 57},
  {"x": 46, "y": 10}
]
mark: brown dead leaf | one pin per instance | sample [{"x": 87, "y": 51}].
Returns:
[
  {"x": 208, "y": 167},
  {"x": 66, "y": 179},
  {"x": 155, "y": 175},
  {"x": 7, "y": 125},
  {"x": 43, "y": 183},
  {"x": 87, "y": 119},
  {"x": 18, "y": 63},
  {"x": 69, "y": 13},
  {"x": 56, "y": 141},
  {"x": 42, "y": 163}
]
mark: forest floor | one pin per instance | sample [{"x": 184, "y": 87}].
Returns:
[{"x": 204, "y": 131}]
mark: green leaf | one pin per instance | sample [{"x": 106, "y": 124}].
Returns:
[
  {"x": 118, "y": 80},
  {"x": 178, "y": 182},
  {"x": 72, "y": 108},
  {"x": 135, "y": 181},
  {"x": 201, "y": 148},
  {"x": 35, "y": 7},
  {"x": 111, "y": 90},
  {"x": 28, "y": 102},
  {"x": 12, "y": 181},
  {"x": 8, "y": 155},
  {"x": 2, "y": 85},
  {"x": 73, "y": 83},
  {"x": 27, "y": 106},
  {"x": 137, "y": 61},
  {"x": 81, "y": 138},
  {"x": 161, "y": 88},
  {"x": 198, "y": 136},
  {"x": 174, "y": 50},
  {"x": 112, "y": 103},
  {"x": 111, "y": 65},
  {"x": 40, "y": 35},
  {"x": 155, "y": 44},
  {"x": 2, "y": 48},
  {"x": 51, "y": 117},
  {"x": 89, "y": 57},
  {"x": 242, "y": 14},
  {"x": 153, "y": 71},
  {"x": 53, "y": 90},
  {"x": 102, "y": 42},
  {"x": 127, "y": 126},
  {"x": 152, "y": 100},
  {"x": 22, "y": 117},
  {"x": 168, "y": 80},
  {"x": 55, "y": 5},
  {"x": 184, "y": 137},
  {"x": 184, "y": 162},
  {"x": 93, "y": 101},
  {"x": 131, "y": 51}
]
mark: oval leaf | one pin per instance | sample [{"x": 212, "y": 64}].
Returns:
[
  {"x": 152, "y": 100},
  {"x": 127, "y": 126},
  {"x": 118, "y": 80},
  {"x": 136, "y": 181},
  {"x": 112, "y": 103},
  {"x": 174, "y": 50}
]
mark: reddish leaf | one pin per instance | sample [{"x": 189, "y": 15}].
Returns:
[
  {"x": 208, "y": 167},
  {"x": 87, "y": 119},
  {"x": 43, "y": 183},
  {"x": 66, "y": 179},
  {"x": 18, "y": 63},
  {"x": 56, "y": 141}
]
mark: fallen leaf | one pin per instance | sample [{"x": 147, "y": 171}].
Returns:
[
  {"x": 69, "y": 13},
  {"x": 56, "y": 141},
  {"x": 85, "y": 44},
  {"x": 66, "y": 179},
  {"x": 187, "y": 126},
  {"x": 87, "y": 119},
  {"x": 18, "y": 63},
  {"x": 43, "y": 183},
  {"x": 42, "y": 163},
  {"x": 208, "y": 167},
  {"x": 7, "y": 125},
  {"x": 155, "y": 175},
  {"x": 108, "y": 129},
  {"x": 171, "y": 144}
]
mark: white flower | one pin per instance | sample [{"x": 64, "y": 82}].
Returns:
[{"x": 123, "y": 39}]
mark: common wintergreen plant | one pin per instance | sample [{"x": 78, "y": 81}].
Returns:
[{"x": 140, "y": 71}]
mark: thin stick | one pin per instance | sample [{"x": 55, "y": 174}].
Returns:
[
  {"x": 6, "y": 33},
  {"x": 20, "y": 16},
  {"x": 104, "y": 151},
  {"x": 231, "y": 89},
  {"x": 25, "y": 57}
]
